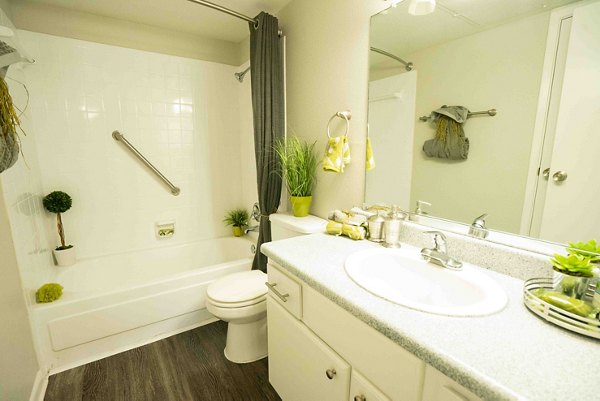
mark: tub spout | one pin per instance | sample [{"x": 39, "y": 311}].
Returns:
[{"x": 253, "y": 228}]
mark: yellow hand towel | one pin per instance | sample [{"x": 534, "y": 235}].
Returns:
[
  {"x": 337, "y": 154},
  {"x": 350, "y": 231},
  {"x": 370, "y": 164}
]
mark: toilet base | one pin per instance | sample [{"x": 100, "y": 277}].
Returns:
[{"x": 246, "y": 342}]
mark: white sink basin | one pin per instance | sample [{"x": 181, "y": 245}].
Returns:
[{"x": 403, "y": 277}]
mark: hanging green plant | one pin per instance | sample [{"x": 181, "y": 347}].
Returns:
[{"x": 9, "y": 124}]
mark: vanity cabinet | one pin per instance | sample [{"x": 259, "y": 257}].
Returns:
[
  {"x": 439, "y": 387},
  {"x": 301, "y": 366},
  {"x": 319, "y": 351}
]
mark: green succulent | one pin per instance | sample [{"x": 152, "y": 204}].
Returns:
[
  {"x": 573, "y": 265},
  {"x": 48, "y": 293},
  {"x": 590, "y": 249},
  {"x": 236, "y": 218}
]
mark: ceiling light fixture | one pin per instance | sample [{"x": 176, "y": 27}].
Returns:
[{"x": 421, "y": 7}]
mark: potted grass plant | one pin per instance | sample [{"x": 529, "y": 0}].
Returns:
[
  {"x": 299, "y": 172},
  {"x": 238, "y": 218},
  {"x": 59, "y": 202}
]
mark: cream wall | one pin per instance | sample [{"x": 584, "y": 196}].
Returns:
[
  {"x": 327, "y": 71},
  {"x": 18, "y": 364},
  {"x": 59, "y": 21},
  {"x": 499, "y": 68}
]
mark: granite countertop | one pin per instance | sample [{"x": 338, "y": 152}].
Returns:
[{"x": 509, "y": 355}]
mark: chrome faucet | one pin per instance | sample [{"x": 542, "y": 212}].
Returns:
[
  {"x": 249, "y": 229},
  {"x": 255, "y": 215},
  {"x": 478, "y": 228},
  {"x": 438, "y": 254}
]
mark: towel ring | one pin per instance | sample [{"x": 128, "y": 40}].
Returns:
[{"x": 346, "y": 115}]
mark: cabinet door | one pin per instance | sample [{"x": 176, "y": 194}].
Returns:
[
  {"x": 362, "y": 389},
  {"x": 439, "y": 387},
  {"x": 301, "y": 366}
]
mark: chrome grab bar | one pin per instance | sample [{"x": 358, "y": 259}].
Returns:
[
  {"x": 117, "y": 136},
  {"x": 281, "y": 296}
]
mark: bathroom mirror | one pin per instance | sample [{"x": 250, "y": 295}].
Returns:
[{"x": 531, "y": 165}]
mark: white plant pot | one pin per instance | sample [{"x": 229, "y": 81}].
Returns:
[{"x": 65, "y": 257}]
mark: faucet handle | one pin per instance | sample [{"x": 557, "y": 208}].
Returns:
[
  {"x": 439, "y": 239},
  {"x": 479, "y": 222}
]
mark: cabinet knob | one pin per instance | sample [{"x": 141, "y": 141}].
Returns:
[
  {"x": 360, "y": 398},
  {"x": 330, "y": 373}
]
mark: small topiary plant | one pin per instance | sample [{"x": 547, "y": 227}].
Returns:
[
  {"x": 573, "y": 265},
  {"x": 58, "y": 202},
  {"x": 48, "y": 293}
]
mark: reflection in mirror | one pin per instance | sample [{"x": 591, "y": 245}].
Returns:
[{"x": 532, "y": 167}]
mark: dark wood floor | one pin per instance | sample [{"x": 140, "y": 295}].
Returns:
[{"x": 185, "y": 367}]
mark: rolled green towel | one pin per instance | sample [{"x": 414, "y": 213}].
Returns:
[{"x": 564, "y": 302}]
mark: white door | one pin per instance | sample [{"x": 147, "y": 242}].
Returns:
[
  {"x": 392, "y": 103},
  {"x": 571, "y": 211}
]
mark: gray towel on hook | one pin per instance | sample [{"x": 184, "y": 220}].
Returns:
[{"x": 450, "y": 141}]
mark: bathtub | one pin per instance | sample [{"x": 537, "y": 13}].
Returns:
[{"x": 122, "y": 301}]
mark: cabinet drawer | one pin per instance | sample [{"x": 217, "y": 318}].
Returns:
[
  {"x": 301, "y": 366},
  {"x": 392, "y": 369},
  {"x": 439, "y": 387},
  {"x": 285, "y": 290},
  {"x": 363, "y": 390}
]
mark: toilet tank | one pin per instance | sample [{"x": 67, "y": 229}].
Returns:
[{"x": 287, "y": 226}]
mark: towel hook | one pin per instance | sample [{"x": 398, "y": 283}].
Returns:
[{"x": 346, "y": 115}]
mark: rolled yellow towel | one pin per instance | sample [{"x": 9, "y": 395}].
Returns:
[
  {"x": 370, "y": 163},
  {"x": 350, "y": 231}
]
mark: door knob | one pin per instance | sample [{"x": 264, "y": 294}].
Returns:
[
  {"x": 330, "y": 373},
  {"x": 559, "y": 176},
  {"x": 546, "y": 173}
]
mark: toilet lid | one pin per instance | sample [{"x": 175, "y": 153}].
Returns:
[{"x": 238, "y": 287}]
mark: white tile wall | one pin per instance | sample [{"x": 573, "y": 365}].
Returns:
[{"x": 182, "y": 114}]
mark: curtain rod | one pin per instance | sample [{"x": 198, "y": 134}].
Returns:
[
  {"x": 407, "y": 65},
  {"x": 225, "y": 10}
]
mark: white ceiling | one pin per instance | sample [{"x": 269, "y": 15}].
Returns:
[
  {"x": 400, "y": 33},
  {"x": 178, "y": 15}
]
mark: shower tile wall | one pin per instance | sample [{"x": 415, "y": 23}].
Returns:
[{"x": 182, "y": 114}]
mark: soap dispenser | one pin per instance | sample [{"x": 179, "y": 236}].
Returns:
[
  {"x": 392, "y": 227},
  {"x": 419, "y": 210}
]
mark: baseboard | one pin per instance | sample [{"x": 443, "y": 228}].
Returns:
[
  {"x": 98, "y": 356},
  {"x": 39, "y": 386}
]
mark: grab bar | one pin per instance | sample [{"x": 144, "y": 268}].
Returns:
[{"x": 117, "y": 136}]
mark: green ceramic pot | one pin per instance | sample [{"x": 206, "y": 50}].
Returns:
[
  {"x": 238, "y": 231},
  {"x": 300, "y": 205}
]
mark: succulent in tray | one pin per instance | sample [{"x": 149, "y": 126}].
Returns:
[
  {"x": 590, "y": 249},
  {"x": 573, "y": 265}
]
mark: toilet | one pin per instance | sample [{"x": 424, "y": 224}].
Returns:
[{"x": 240, "y": 299}]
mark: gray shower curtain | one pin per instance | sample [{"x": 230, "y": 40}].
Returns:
[{"x": 268, "y": 111}]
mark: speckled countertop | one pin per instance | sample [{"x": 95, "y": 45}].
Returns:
[{"x": 509, "y": 355}]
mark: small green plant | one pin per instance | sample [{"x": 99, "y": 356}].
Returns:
[
  {"x": 573, "y": 265},
  {"x": 298, "y": 165},
  {"x": 58, "y": 202},
  {"x": 48, "y": 293},
  {"x": 590, "y": 249},
  {"x": 237, "y": 218}
]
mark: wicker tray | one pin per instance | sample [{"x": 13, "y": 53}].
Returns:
[{"x": 560, "y": 317}]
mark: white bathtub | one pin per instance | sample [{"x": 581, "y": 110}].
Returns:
[{"x": 121, "y": 301}]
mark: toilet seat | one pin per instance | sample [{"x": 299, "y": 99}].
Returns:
[{"x": 238, "y": 290}]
